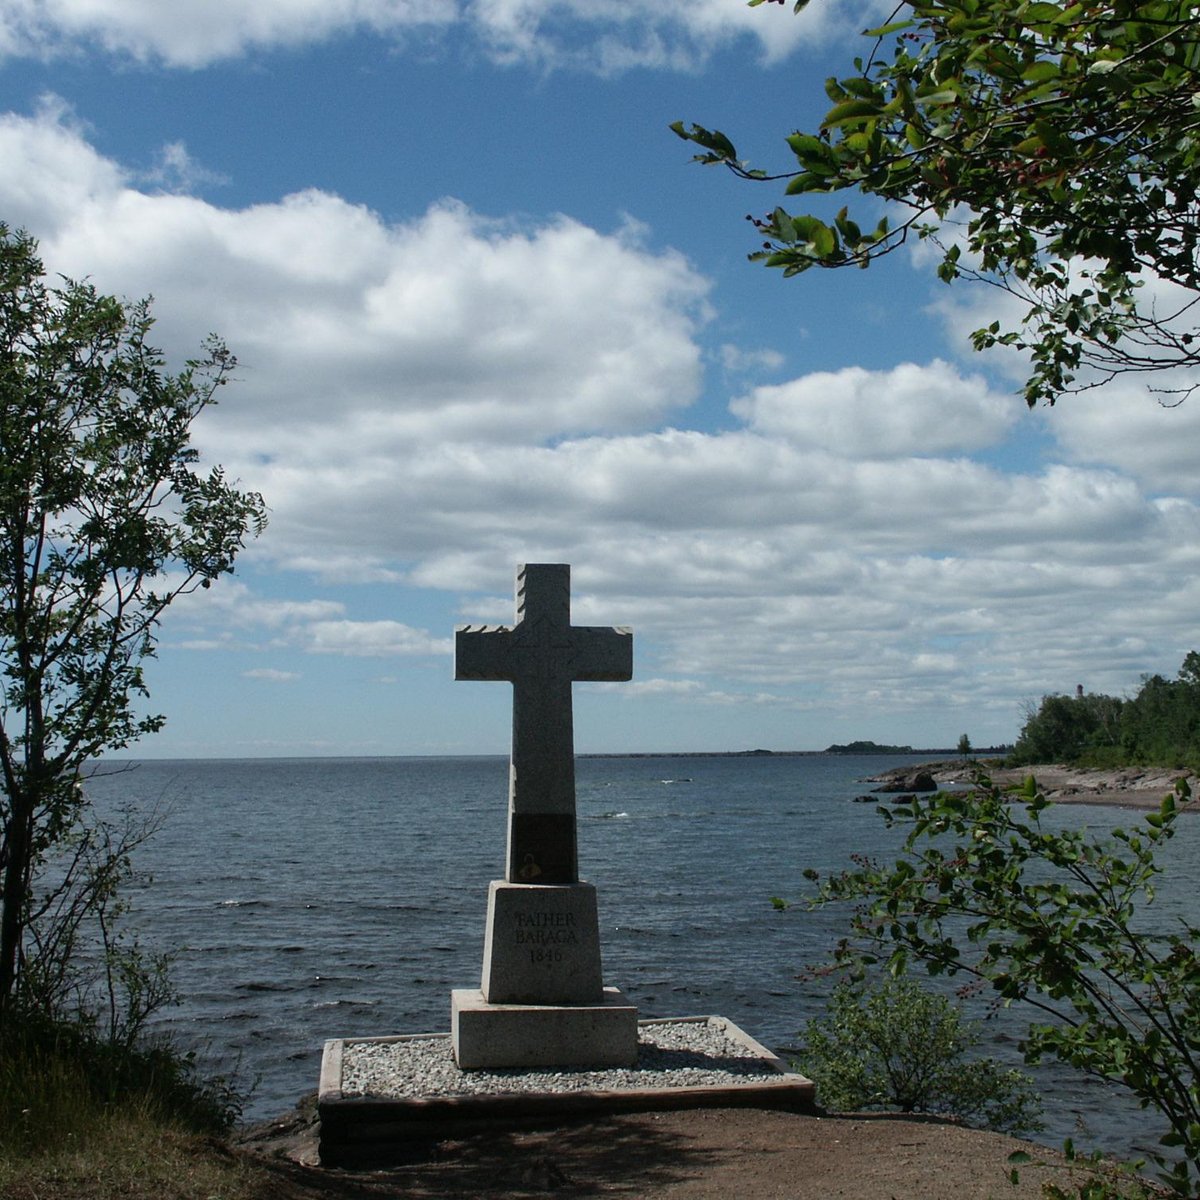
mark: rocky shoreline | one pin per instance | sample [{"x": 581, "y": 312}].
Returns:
[{"x": 1120, "y": 787}]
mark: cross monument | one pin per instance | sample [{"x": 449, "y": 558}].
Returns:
[{"x": 542, "y": 1001}]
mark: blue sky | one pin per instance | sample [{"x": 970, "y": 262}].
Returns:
[{"x": 487, "y": 312}]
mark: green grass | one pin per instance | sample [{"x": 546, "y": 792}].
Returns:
[{"x": 81, "y": 1119}]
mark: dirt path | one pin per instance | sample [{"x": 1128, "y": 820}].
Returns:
[{"x": 712, "y": 1154}]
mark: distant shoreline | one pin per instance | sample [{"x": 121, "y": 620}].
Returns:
[{"x": 879, "y": 752}]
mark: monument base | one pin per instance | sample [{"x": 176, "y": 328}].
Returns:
[{"x": 542, "y": 1035}]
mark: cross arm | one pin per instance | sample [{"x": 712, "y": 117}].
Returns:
[
  {"x": 483, "y": 652},
  {"x": 602, "y": 653}
]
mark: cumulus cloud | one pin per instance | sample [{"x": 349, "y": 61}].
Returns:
[
  {"x": 909, "y": 410},
  {"x": 177, "y": 171},
  {"x": 447, "y": 327},
  {"x": 1130, "y": 428},
  {"x": 194, "y": 33},
  {"x": 252, "y": 622},
  {"x": 606, "y": 36},
  {"x": 617, "y": 35},
  {"x": 236, "y": 606},
  {"x": 657, "y": 687}
]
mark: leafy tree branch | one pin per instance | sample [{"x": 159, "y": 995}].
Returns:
[
  {"x": 1052, "y": 919},
  {"x": 1051, "y": 150}
]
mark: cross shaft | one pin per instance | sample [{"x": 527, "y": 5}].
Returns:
[{"x": 541, "y": 655}]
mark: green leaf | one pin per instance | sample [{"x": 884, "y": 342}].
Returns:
[
  {"x": 863, "y": 88},
  {"x": 805, "y": 146},
  {"x": 808, "y": 181},
  {"x": 848, "y": 111},
  {"x": 884, "y": 30},
  {"x": 1040, "y": 13},
  {"x": 824, "y": 241},
  {"x": 710, "y": 139},
  {"x": 1053, "y": 124},
  {"x": 850, "y": 232},
  {"x": 1040, "y": 71},
  {"x": 834, "y": 89}
]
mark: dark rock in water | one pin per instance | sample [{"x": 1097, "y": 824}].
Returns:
[{"x": 917, "y": 781}]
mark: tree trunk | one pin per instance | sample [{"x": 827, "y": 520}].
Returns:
[{"x": 14, "y": 894}]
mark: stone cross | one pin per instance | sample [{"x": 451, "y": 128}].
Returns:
[{"x": 541, "y": 655}]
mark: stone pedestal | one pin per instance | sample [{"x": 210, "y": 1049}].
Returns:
[
  {"x": 542, "y": 945},
  {"x": 542, "y": 1001}
]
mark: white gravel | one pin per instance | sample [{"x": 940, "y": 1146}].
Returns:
[{"x": 671, "y": 1054}]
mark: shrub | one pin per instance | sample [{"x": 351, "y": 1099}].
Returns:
[{"x": 897, "y": 1045}]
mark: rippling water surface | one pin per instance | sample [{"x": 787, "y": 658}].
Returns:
[{"x": 315, "y": 898}]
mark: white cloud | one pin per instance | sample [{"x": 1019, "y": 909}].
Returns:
[
  {"x": 911, "y": 409},
  {"x": 193, "y": 33},
  {"x": 310, "y": 626},
  {"x": 1126, "y": 426},
  {"x": 235, "y": 606},
  {"x": 616, "y": 35},
  {"x": 177, "y": 171},
  {"x": 972, "y": 305},
  {"x": 597, "y": 35},
  {"x": 373, "y": 639},
  {"x": 657, "y": 687},
  {"x": 738, "y": 360},
  {"x": 56, "y": 174},
  {"x": 271, "y": 675}
]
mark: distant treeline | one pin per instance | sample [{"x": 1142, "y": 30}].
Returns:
[
  {"x": 1158, "y": 727},
  {"x": 927, "y": 751},
  {"x": 868, "y": 748}
]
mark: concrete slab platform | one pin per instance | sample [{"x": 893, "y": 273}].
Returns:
[{"x": 386, "y": 1114}]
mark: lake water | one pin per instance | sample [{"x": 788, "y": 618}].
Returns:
[{"x": 308, "y": 899}]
